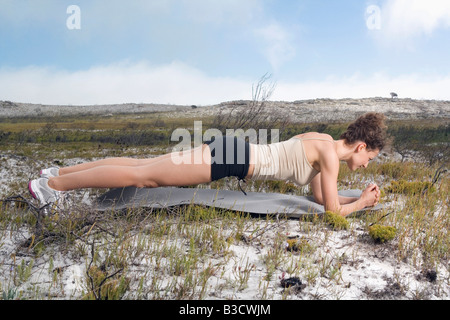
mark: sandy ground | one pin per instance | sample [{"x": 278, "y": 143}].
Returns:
[{"x": 346, "y": 264}]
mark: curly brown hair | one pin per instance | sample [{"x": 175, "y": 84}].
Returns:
[{"x": 368, "y": 128}]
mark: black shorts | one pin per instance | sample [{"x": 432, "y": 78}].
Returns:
[{"x": 230, "y": 157}]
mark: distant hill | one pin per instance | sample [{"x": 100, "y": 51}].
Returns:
[{"x": 312, "y": 110}]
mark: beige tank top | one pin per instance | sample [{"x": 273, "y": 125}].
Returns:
[{"x": 284, "y": 161}]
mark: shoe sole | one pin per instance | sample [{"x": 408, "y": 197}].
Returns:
[
  {"x": 34, "y": 193},
  {"x": 30, "y": 189}
]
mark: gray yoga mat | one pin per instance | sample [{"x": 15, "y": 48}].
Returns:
[{"x": 254, "y": 202}]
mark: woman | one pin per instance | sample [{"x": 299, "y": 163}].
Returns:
[{"x": 306, "y": 158}]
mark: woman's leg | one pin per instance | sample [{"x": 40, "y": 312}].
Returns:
[
  {"x": 111, "y": 162},
  {"x": 176, "y": 169}
]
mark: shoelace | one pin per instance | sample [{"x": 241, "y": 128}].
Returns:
[{"x": 239, "y": 184}]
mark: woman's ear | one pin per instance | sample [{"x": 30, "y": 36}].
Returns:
[{"x": 361, "y": 146}]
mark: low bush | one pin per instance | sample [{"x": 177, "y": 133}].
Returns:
[{"x": 381, "y": 233}]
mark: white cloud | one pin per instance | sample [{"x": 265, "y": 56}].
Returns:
[
  {"x": 125, "y": 82},
  {"x": 402, "y": 21},
  {"x": 179, "y": 83},
  {"x": 413, "y": 86},
  {"x": 278, "y": 47}
]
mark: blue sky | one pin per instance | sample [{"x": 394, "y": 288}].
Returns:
[{"x": 209, "y": 51}]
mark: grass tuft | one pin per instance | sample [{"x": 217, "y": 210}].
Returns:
[
  {"x": 336, "y": 221},
  {"x": 382, "y": 234}
]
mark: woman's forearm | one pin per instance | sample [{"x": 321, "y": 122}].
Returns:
[
  {"x": 350, "y": 204},
  {"x": 346, "y": 200},
  {"x": 346, "y": 209}
]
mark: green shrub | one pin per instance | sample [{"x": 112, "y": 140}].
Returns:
[
  {"x": 410, "y": 187},
  {"x": 299, "y": 245},
  {"x": 393, "y": 169},
  {"x": 336, "y": 221},
  {"x": 381, "y": 233}
]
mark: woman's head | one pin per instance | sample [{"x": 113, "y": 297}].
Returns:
[{"x": 368, "y": 128}]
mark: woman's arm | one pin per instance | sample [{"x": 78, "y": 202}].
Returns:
[
  {"x": 327, "y": 186},
  {"x": 316, "y": 188}
]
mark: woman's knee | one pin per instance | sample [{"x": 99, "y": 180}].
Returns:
[
  {"x": 147, "y": 184},
  {"x": 143, "y": 182},
  {"x": 139, "y": 178}
]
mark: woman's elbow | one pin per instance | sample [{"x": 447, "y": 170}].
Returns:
[
  {"x": 316, "y": 189},
  {"x": 318, "y": 199},
  {"x": 336, "y": 209}
]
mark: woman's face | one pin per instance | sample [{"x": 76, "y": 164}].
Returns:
[{"x": 361, "y": 157}]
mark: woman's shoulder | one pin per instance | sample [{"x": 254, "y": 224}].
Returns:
[
  {"x": 317, "y": 147},
  {"x": 311, "y": 136}
]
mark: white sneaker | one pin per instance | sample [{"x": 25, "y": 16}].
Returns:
[
  {"x": 49, "y": 172},
  {"x": 40, "y": 190}
]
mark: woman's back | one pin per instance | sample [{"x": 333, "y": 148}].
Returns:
[{"x": 285, "y": 160}]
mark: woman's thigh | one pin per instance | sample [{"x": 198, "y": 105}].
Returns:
[
  {"x": 178, "y": 169},
  {"x": 173, "y": 155}
]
